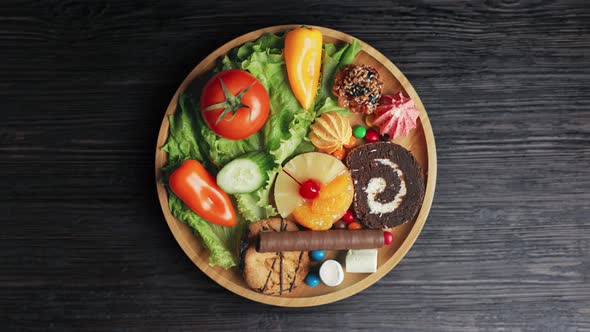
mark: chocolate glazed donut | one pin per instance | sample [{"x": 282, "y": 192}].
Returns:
[{"x": 388, "y": 184}]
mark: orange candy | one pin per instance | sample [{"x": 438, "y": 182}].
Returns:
[
  {"x": 340, "y": 153},
  {"x": 351, "y": 143},
  {"x": 354, "y": 225}
]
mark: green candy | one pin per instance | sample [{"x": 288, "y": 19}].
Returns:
[{"x": 359, "y": 131}]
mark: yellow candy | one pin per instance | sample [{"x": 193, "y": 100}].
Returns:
[{"x": 369, "y": 120}]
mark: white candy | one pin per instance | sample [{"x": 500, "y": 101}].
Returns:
[
  {"x": 361, "y": 261},
  {"x": 331, "y": 273}
]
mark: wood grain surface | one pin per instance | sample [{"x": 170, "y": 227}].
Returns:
[{"x": 83, "y": 85}]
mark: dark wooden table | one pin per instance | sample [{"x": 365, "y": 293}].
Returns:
[{"x": 84, "y": 245}]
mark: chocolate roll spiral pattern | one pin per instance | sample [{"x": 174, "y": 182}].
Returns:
[{"x": 388, "y": 184}]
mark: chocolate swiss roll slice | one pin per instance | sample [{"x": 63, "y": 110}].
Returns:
[{"x": 388, "y": 184}]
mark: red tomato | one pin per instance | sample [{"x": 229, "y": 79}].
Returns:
[
  {"x": 198, "y": 190},
  {"x": 234, "y": 104}
]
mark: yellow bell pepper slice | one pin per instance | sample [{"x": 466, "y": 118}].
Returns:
[{"x": 303, "y": 58}]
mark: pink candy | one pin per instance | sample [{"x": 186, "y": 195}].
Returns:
[{"x": 396, "y": 115}]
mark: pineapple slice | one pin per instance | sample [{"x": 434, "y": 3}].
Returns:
[{"x": 320, "y": 167}]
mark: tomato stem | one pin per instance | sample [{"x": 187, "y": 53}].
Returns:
[{"x": 232, "y": 104}]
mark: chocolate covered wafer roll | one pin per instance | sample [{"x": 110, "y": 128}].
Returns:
[{"x": 320, "y": 240}]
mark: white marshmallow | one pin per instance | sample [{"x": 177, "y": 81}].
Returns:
[{"x": 331, "y": 273}]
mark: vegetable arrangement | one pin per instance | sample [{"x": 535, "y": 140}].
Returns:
[{"x": 234, "y": 136}]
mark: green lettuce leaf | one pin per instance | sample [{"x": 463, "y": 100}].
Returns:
[
  {"x": 333, "y": 60},
  {"x": 330, "y": 105},
  {"x": 248, "y": 207},
  {"x": 221, "y": 241},
  {"x": 267, "y": 43},
  {"x": 182, "y": 143},
  {"x": 305, "y": 146},
  {"x": 350, "y": 53}
]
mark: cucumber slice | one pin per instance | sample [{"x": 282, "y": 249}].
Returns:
[{"x": 246, "y": 173}]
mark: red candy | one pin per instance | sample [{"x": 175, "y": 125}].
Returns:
[
  {"x": 387, "y": 238},
  {"x": 348, "y": 217},
  {"x": 309, "y": 189},
  {"x": 371, "y": 136}
]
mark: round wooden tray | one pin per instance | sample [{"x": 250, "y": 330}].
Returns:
[{"x": 420, "y": 143}]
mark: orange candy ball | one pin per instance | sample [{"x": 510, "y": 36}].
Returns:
[{"x": 354, "y": 225}]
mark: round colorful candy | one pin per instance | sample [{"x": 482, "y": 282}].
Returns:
[
  {"x": 340, "y": 224},
  {"x": 354, "y": 226},
  {"x": 317, "y": 255},
  {"x": 369, "y": 120},
  {"x": 348, "y": 217},
  {"x": 387, "y": 238},
  {"x": 340, "y": 153},
  {"x": 372, "y": 136},
  {"x": 312, "y": 279},
  {"x": 359, "y": 131},
  {"x": 351, "y": 143}
]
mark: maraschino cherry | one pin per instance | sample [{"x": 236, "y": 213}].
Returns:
[{"x": 309, "y": 189}]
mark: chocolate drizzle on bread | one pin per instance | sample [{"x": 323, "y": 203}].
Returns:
[
  {"x": 388, "y": 184},
  {"x": 268, "y": 277},
  {"x": 296, "y": 270}
]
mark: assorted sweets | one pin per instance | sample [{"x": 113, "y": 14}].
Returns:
[{"x": 296, "y": 207}]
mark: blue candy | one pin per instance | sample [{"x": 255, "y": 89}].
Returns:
[
  {"x": 317, "y": 255},
  {"x": 312, "y": 279}
]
